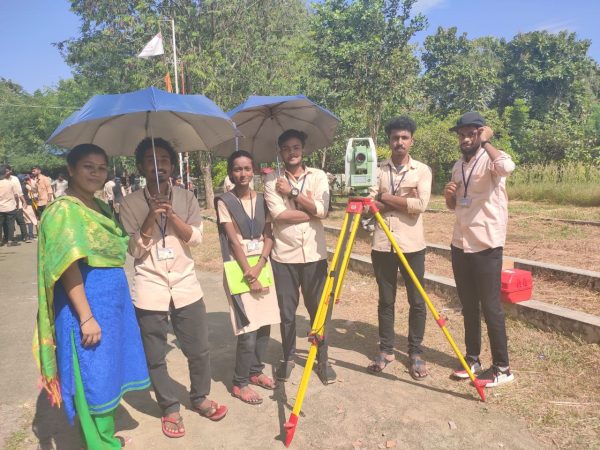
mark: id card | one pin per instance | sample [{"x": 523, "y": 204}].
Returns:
[
  {"x": 465, "y": 202},
  {"x": 253, "y": 245},
  {"x": 165, "y": 253}
]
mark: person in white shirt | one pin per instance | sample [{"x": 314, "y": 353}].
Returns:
[
  {"x": 9, "y": 198},
  {"x": 108, "y": 191},
  {"x": 60, "y": 185}
]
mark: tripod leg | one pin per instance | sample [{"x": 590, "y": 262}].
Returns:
[
  {"x": 440, "y": 321},
  {"x": 332, "y": 286}
]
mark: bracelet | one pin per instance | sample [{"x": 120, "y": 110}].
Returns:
[
  {"x": 86, "y": 321},
  {"x": 265, "y": 258},
  {"x": 145, "y": 235}
]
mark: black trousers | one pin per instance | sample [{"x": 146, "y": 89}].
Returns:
[
  {"x": 385, "y": 266},
  {"x": 20, "y": 220},
  {"x": 477, "y": 277},
  {"x": 289, "y": 280},
  {"x": 40, "y": 209},
  {"x": 7, "y": 225},
  {"x": 191, "y": 329},
  {"x": 250, "y": 352}
]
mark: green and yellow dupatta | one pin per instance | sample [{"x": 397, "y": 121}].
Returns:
[{"x": 69, "y": 231}]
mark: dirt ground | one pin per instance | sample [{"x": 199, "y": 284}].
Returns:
[
  {"x": 360, "y": 411},
  {"x": 554, "y": 402},
  {"x": 528, "y": 237},
  {"x": 554, "y": 394}
]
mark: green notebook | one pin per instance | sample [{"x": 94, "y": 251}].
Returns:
[{"x": 235, "y": 275}]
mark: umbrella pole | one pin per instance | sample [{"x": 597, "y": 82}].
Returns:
[{"x": 155, "y": 163}]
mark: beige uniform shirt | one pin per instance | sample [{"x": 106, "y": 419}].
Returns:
[
  {"x": 159, "y": 282},
  {"x": 44, "y": 190},
  {"x": 406, "y": 227},
  {"x": 17, "y": 184},
  {"x": 303, "y": 242},
  {"x": 8, "y": 192},
  {"x": 482, "y": 224}
]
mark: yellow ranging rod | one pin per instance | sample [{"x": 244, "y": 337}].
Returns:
[{"x": 332, "y": 289}]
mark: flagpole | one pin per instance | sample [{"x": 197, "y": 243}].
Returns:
[{"x": 176, "y": 85}]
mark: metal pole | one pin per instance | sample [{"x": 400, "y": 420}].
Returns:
[
  {"x": 175, "y": 56},
  {"x": 176, "y": 84}
]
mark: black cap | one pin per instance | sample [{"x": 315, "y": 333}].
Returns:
[{"x": 472, "y": 118}]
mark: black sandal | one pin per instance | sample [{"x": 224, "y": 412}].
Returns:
[{"x": 376, "y": 364}]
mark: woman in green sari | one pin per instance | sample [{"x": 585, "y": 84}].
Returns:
[{"x": 87, "y": 341}]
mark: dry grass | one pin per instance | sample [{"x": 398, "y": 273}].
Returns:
[
  {"x": 528, "y": 236},
  {"x": 208, "y": 255}
]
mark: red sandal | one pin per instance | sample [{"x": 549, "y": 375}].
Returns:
[
  {"x": 220, "y": 411},
  {"x": 259, "y": 380},
  {"x": 172, "y": 433},
  {"x": 236, "y": 392}
]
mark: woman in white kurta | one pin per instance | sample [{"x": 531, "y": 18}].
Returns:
[{"x": 251, "y": 237}]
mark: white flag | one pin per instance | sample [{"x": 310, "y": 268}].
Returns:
[{"x": 153, "y": 48}]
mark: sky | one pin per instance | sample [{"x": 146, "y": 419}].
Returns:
[{"x": 29, "y": 27}]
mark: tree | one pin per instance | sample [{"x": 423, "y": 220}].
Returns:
[
  {"x": 363, "y": 58},
  {"x": 460, "y": 75},
  {"x": 27, "y": 121},
  {"x": 228, "y": 50},
  {"x": 549, "y": 71}
]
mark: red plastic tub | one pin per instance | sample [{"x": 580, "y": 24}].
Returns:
[{"x": 516, "y": 285}]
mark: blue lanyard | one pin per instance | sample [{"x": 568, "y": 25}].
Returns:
[
  {"x": 394, "y": 190},
  {"x": 466, "y": 182}
]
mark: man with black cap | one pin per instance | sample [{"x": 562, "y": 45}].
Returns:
[{"x": 477, "y": 194}]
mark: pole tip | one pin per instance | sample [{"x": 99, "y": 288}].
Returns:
[
  {"x": 290, "y": 429},
  {"x": 480, "y": 390}
]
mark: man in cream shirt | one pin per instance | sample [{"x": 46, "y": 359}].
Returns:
[
  {"x": 163, "y": 223},
  {"x": 298, "y": 203},
  {"x": 402, "y": 193},
  {"x": 477, "y": 194}
]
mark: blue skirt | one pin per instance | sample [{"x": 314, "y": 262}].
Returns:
[{"x": 114, "y": 366}]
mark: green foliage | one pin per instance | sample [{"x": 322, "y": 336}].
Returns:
[
  {"x": 219, "y": 172},
  {"x": 437, "y": 147},
  {"x": 548, "y": 71},
  {"x": 571, "y": 183},
  {"x": 362, "y": 53},
  {"x": 460, "y": 75},
  {"x": 538, "y": 91}
]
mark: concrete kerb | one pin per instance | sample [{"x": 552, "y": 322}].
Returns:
[
  {"x": 542, "y": 315},
  {"x": 579, "y": 277}
]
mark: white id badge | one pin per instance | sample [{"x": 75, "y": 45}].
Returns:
[
  {"x": 252, "y": 246},
  {"x": 165, "y": 253},
  {"x": 465, "y": 202}
]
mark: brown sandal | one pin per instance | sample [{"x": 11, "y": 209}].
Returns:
[
  {"x": 214, "y": 411},
  {"x": 417, "y": 368},
  {"x": 379, "y": 363}
]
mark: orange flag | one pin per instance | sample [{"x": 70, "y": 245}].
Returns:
[{"x": 168, "y": 82}]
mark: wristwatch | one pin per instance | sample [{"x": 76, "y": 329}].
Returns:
[
  {"x": 294, "y": 193},
  {"x": 484, "y": 142}
]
